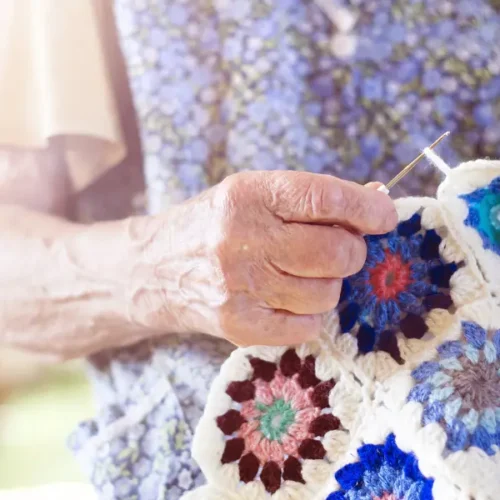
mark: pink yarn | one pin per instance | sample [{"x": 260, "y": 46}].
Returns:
[
  {"x": 291, "y": 390},
  {"x": 305, "y": 417},
  {"x": 253, "y": 440},
  {"x": 277, "y": 385},
  {"x": 248, "y": 429},
  {"x": 263, "y": 393},
  {"x": 266, "y": 393},
  {"x": 290, "y": 445},
  {"x": 249, "y": 411},
  {"x": 299, "y": 432}
]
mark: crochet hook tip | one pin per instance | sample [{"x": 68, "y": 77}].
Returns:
[{"x": 413, "y": 163}]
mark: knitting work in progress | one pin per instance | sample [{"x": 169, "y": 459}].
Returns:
[{"x": 399, "y": 398}]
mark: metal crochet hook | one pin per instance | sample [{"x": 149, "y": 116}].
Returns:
[{"x": 410, "y": 166}]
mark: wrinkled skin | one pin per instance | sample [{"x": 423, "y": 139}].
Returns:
[
  {"x": 255, "y": 260},
  {"x": 258, "y": 258}
]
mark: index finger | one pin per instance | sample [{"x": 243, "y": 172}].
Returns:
[{"x": 324, "y": 199}]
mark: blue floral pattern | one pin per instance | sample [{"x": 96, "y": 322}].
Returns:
[
  {"x": 460, "y": 389},
  {"x": 404, "y": 278},
  {"x": 156, "y": 402},
  {"x": 384, "y": 472}
]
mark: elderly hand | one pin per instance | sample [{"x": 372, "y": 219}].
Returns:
[{"x": 256, "y": 259}]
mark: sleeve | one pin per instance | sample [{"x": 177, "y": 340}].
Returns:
[{"x": 56, "y": 86}]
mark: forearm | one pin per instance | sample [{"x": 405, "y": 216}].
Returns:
[{"x": 64, "y": 286}]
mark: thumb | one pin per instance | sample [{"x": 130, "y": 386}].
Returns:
[{"x": 374, "y": 185}]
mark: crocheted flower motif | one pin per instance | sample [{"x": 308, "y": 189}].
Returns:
[
  {"x": 384, "y": 472},
  {"x": 278, "y": 419},
  {"x": 403, "y": 279},
  {"x": 461, "y": 389},
  {"x": 484, "y": 214}
]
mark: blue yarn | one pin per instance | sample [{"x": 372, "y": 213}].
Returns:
[
  {"x": 405, "y": 251},
  {"x": 414, "y": 243},
  {"x": 362, "y": 293},
  {"x": 348, "y": 317},
  {"x": 337, "y": 495},
  {"x": 451, "y": 349},
  {"x": 440, "y": 275},
  {"x": 411, "y": 469},
  {"x": 406, "y": 299},
  {"x": 369, "y": 307},
  {"x": 496, "y": 341},
  {"x": 372, "y": 483},
  {"x": 387, "y": 476},
  {"x": 401, "y": 486},
  {"x": 383, "y": 469},
  {"x": 420, "y": 393},
  {"x": 362, "y": 494},
  {"x": 393, "y": 312},
  {"x": 477, "y": 202},
  {"x": 414, "y": 492},
  {"x": 475, "y": 196},
  {"x": 429, "y": 249},
  {"x": 393, "y": 455},
  {"x": 457, "y": 435},
  {"x": 360, "y": 278},
  {"x": 375, "y": 252},
  {"x": 350, "y": 475},
  {"x": 433, "y": 412},
  {"x": 346, "y": 291},
  {"x": 366, "y": 338},
  {"x": 410, "y": 226},
  {"x": 380, "y": 317},
  {"x": 425, "y": 370},
  {"x": 421, "y": 288},
  {"x": 475, "y": 335},
  {"x": 426, "y": 493},
  {"x": 377, "y": 237},
  {"x": 474, "y": 218},
  {"x": 483, "y": 439},
  {"x": 371, "y": 456},
  {"x": 418, "y": 271},
  {"x": 393, "y": 245}
]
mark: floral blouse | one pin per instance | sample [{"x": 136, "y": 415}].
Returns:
[{"x": 352, "y": 88}]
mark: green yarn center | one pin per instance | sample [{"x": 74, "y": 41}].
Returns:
[
  {"x": 489, "y": 212},
  {"x": 276, "y": 419}
]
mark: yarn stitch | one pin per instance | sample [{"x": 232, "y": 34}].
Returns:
[
  {"x": 277, "y": 420},
  {"x": 404, "y": 278},
  {"x": 425, "y": 297},
  {"x": 383, "y": 472},
  {"x": 460, "y": 389},
  {"x": 484, "y": 214}
]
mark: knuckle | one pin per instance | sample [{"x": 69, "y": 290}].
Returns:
[
  {"x": 316, "y": 199},
  {"x": 358, "y": 253},
  {"x": 353, "y": 207},
  {"x": 390, "y": 218},
  {"x": 334, "y": 293},
  {"x": 233, "y": 189},
  {"x": 352, "y": 255}
]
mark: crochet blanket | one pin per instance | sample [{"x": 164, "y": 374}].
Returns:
[{"x": 400, "y": 397}]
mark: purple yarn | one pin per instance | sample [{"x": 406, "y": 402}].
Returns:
[
  {"x": 475, "y": 335},
  {"x": 420, "y": 393}
]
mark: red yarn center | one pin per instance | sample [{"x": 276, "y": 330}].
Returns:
[{"x": 390, "y": 277}]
